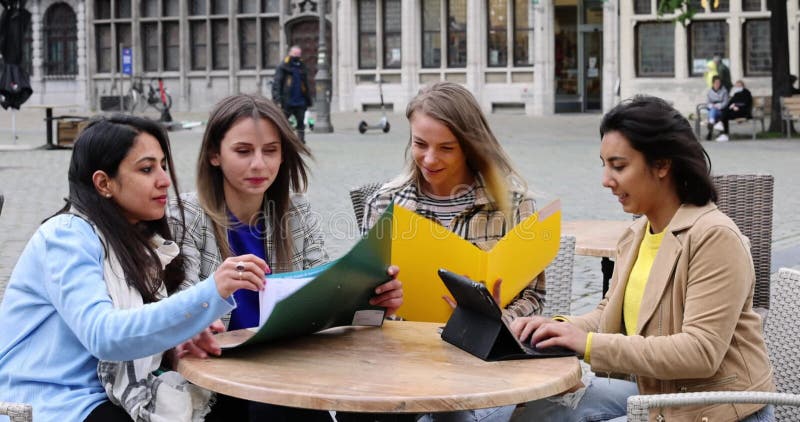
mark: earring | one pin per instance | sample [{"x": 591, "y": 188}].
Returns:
[{"x": 108, "y": 195}]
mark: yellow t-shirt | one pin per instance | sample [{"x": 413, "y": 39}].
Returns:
[{"x": 638, "y": 279}]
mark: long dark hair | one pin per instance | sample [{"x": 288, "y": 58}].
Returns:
[
  {"x": 292, "y": 175},
  {"x": 659, "y": 132},
  {"x": 102, "y": 145}
]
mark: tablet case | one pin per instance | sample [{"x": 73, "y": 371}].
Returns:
[{"x": 476, "y": 325}]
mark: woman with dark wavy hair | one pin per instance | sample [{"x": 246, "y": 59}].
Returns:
[
  {"x": 679, "y": 314},
  {"x": 87, "y": 302}
]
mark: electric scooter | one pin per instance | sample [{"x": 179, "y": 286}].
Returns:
[{"x": 383, "y": 124}]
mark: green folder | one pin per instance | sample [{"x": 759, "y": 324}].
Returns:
[{"x": 335, "y": 294}]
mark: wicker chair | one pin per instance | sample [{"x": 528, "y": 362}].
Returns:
[
  {"x": 359, "y": 197},
  {"x": 558, "y": 278},
  {"x": 783, "y": 340},
  {"x": 747, "y": 200},
  {"x": 16, "y": 412}
]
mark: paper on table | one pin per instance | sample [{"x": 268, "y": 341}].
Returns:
[{"x": 330, "y": 295}]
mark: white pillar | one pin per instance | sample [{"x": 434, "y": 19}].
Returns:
[
  {"x": 81, "y": 90},
  {"x": 611, "y": 74},
  {"x": 345, "y": 70},
  {"x": 410, "y": 42},
  {"x": 543, "y": 59},
  {"x": 735, "y": 40},
  {"x": 681, "y": 58},
  {"x": 476, "y": 46}
]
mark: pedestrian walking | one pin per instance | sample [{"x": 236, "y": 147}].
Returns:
[{"x": 290, "y": 89}]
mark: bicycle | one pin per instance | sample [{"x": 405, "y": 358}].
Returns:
[{"x": 157, "y": 95}]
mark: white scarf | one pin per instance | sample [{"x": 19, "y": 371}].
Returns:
[{"x": 134, "y": 385}]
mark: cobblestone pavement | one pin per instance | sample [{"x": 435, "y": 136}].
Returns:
[{"x": 558, "y": 155}]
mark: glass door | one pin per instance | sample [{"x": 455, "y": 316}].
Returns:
[
  {"x": 578, "y": 34},
  {"x": 592, "y": 70},
  {"x": 565, "y": 29}
]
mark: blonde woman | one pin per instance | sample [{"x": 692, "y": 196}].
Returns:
[
  {"x": 458, "y": 175},
  {"x": 251, "y": 174}
]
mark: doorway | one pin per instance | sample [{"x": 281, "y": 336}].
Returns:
[
  {"x": 578, "y": 36},
  {"x": 305, "y": 34}
]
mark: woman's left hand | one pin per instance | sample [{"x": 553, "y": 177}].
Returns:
[
  {"x": 202, "y": 344},
  {"x": 390, "y": 294},
  {"x": 555, "y": 333}
]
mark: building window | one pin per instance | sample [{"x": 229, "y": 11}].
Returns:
[
  {"x": 757, "y": 53},
  {"x": 655, "y": 49},
  {"x": 60, "y": 41},
  {"x": 149, "y": 32},
  {"x": 751, "y": 5},
  {"x": 112, "y": 29},
  {"x": 523, "y": 33},
  {"x": 500, "y": 14},
  {"x": 387, "y": 35},
  {"x": 270, "y": 42},
  {"x": 392, "y": 40},
  {"x": 453, "y": 28},
  {"x": 641, "y": 7},
  {"x": 248, "y": 44},
  {"x": 367, "y": 34},
  {"x": 706, "y": 38},
  {"x": 159, "y": 31},
  {"x": 199, "y": 42},
  {"x": 209, "y": 38},
  {"x": 457, "y": 33},
  {"x": 258, "y": 31},
  {"x": 431, "y": 33},
  {"x": 219, "y": 44},
  {"x": 172, "y": 45},
  {"x": 497, "y": 43}
]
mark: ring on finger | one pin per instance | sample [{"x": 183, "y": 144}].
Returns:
[
  {"x": 238, "y": 275},
  {"x": 240, "y": 266}
]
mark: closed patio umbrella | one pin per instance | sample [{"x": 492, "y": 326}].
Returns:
[{"x": 15, "y": 87}]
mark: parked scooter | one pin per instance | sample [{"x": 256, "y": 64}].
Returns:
[{"x": 383, "y": 124}]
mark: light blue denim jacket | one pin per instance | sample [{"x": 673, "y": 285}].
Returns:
[{"x": 58, "y": 319}]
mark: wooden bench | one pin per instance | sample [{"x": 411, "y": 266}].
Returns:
[
  {"x": 790, "y": 112},
  {"x": 762, "y": 108}
]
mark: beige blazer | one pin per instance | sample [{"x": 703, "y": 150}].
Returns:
[{"x": 697, "y": 330}]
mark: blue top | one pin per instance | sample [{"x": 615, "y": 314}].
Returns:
[
  {"x": 244, "y": 239},
  {"x": 58, "y": 320}
]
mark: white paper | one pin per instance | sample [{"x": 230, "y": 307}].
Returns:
[{"x": 277, "y": 289}]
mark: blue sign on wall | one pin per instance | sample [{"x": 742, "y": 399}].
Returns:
[{"x": 127, "y": 61}]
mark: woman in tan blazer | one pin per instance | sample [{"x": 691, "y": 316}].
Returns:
[{"x": 678, "y": 316}]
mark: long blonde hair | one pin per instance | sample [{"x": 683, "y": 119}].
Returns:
[
  {"x": 455, "y": 107},
  {"x": 292, "y": 175}
]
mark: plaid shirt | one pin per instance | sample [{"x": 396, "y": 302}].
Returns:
[
  {"x": 481, "y": 224},
  {"x": 202, "y": 255}
]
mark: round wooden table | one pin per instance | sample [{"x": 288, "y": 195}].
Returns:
[
  {"x": 597, "y": 238},
  {"x": 402, "y": 367}
]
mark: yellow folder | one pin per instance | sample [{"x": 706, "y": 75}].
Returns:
[{"x": 421, "y": 246}]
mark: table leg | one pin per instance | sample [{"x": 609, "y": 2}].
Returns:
[
  {"x": 607, "y": 266},
  {"x": 48, "y": 118}
]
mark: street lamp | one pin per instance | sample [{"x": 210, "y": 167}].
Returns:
[{"x": 323, "y": 79}]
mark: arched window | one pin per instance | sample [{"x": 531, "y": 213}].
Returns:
[{"x": 60, "y": 41}]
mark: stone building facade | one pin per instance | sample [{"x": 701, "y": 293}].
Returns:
[{"x": 535, "y": 57}]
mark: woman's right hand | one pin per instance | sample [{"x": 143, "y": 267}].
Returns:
[{"x": 240, "y": 272}]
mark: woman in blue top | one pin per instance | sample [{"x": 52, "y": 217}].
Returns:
[
  {"x": 92, "y": 282},
  {"x": 251, "y": 175}
]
